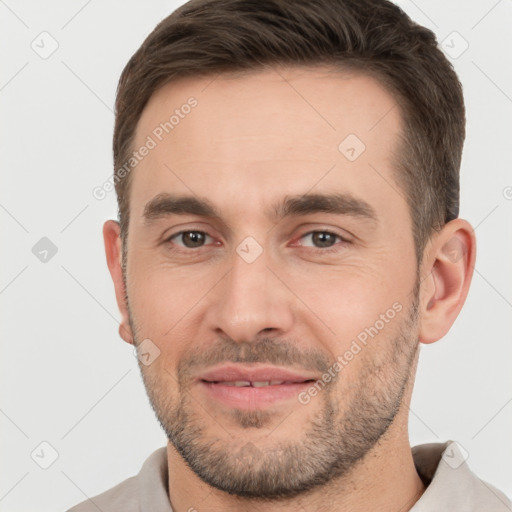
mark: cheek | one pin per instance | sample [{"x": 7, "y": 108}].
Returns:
[
  {"x": 165, "y": 303},
  {"x": 161, "y": 295},
  {"x": 352, "y": 297}
]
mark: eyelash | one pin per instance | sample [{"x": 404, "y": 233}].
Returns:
[{"x": 334, "y": 248}]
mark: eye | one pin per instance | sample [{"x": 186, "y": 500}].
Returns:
[
  {"x": 322, "y": 239},
  {"x": 190, "y": 239}
]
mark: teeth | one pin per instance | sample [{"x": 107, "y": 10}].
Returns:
[
  {"x": 267, "y": 383},
  {"x": 255, "y": 384},
  {"x": 237, "y": 383},
  {"x": 260, "y": 384},
  {"x": 241, "y": 383}
]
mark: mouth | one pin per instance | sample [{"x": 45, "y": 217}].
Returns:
[
  {"x": 254, "y": 384},
  {"x": 253, "y": 387}
]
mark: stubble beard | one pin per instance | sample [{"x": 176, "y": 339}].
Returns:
[{"x": 328, "y": 447}]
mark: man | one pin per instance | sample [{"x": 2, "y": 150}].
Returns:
[{"x": 287, "y": 175}]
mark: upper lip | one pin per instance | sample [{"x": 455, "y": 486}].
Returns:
[{"x": 239, "y": 372}]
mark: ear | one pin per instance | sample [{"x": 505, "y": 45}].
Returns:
[
  {"x": 448, "y": 266},
  {"x": 113, "y": 250}
]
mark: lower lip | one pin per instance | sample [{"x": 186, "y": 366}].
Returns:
[{"x": 250, "y": 398}]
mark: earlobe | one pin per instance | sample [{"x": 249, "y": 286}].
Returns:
[
  {"x": 449, "y": 267},
  {"x": 113, "y": 252}
]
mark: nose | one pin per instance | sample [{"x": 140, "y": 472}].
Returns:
[{"x": 250, "y": 301}]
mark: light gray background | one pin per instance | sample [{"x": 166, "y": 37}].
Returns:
[{"x": 69, "y": 380}]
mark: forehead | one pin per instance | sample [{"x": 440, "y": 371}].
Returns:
[{"x": 267, "y": 133}]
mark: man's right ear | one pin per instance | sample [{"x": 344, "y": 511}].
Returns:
[{"x": 113, "y": 251}]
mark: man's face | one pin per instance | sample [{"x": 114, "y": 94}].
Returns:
[{"x": 251, "y": 306}]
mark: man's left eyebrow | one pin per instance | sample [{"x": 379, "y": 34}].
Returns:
[{"x": 334, "y": 203}]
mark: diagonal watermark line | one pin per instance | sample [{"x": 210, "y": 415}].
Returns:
[
  {"x": 86, "y": 414},
  {"x": 212, "y": 490},
  {"x": 492, "y": 286},
  {"x": 14, "y": 218},
  {"x": 198, "y": 301},
  {"x": 501, "y": 409},
  {"x": 304, "y": 99},
  {"x": 280, "y": 423},
  {"x": 319, "y": 180},
  {"x": 14, "y": 486},
  {"x": 410, "y": 502},
  {"x": 191, "y": 191},
  {"x": 88, "y": 498},
  {"x": 17, "y": 426},
  {"x": 74, "y": 218},
  {"x": 76, "y": 14},
  {"x": 198, "y": 403},
  {"x": 334, "y": 334},
  {"x": 71, "y": 71},
  {"x": 89, "y": 293},
  {"x": 497, "y": 495},
  {"x": 302, "y": 507},
  {"x": 14, "y": 76},
  {"x": 13, "y": 279},
  {"x": 423, "y": 422},
  {"x": 390, "y": 184},
  {"x": 307, "y": 192},
  {"x": 210, "y": 82},
  {"x": 492, "y": 81},
  {"x": 381, "y": 118},
  {"x": 424, "y": 14},
  {"x": 488, "y": 215},
  {"x": 485, "y": 15},
  {"x": 13, "y": 13}
]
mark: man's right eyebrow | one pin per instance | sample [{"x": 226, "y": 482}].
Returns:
[{"x": 166, "y": 204}]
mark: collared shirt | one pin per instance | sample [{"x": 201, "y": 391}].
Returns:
[{"x": 451, "y": 485}]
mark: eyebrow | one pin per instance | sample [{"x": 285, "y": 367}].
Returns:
[
  {"x": 335, "y": 203},
  {"x": 166, "y": 204}
]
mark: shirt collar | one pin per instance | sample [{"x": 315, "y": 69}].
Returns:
[{"x": 451, "y": 485}]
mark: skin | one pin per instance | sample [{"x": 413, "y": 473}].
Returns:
[{"x": 252, "y": 140}]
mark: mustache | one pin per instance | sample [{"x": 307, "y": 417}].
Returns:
[{"x": 264, "y": 350}]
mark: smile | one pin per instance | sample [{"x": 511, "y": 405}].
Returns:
[{"x": 255, "y": 386}]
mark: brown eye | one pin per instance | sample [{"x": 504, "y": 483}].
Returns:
[
  {"x": 190, "y": 239},
  {"x": 323, "y": 239}
]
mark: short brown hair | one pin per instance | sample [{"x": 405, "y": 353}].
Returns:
[{"x": 208, "y": 37}]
